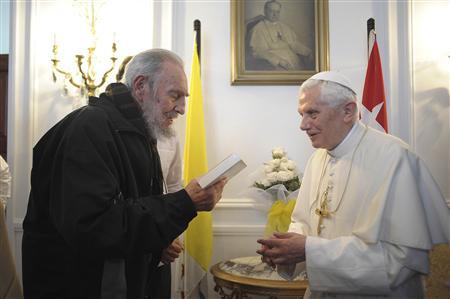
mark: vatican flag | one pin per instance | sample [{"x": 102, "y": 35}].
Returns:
[{"x": 198, "y": 236}]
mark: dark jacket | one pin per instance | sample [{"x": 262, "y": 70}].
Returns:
[{"x": 95, "y": 197}]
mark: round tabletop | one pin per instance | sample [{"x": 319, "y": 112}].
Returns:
[{"x": 237, "y": 279}]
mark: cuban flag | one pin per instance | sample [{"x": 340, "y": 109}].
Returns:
[{"x": 373, "y": 112}]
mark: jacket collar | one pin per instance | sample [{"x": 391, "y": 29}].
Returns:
[{"x": 120, "y": 97}]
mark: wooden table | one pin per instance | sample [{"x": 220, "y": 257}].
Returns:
[{"x": 231, "y": 286}]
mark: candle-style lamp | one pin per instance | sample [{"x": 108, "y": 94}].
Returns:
[{"x": 85, "y": 66}]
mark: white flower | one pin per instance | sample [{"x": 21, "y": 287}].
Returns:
[
  {"x": 290, "y": 165},
  {"x": 278, "y": 152},
  {"x": 275, "y": 163},
  {"x": 268, "y": 168},
  {"x": 284, "y": 166},
  {"x": 272, "y": 177},
  {"x": 285, "y": 176},
  {"x": 284, "y": 160}
]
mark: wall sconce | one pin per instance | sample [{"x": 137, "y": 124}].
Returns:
[{"x": 86, "y": 73}]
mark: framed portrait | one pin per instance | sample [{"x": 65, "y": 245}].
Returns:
[{"x": 278, "y": 42}]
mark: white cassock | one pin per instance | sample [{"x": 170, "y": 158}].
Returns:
[
  {"x": 276, "y": 41},
  {"x": 170, "y": 156},
  {"x": 386, "y": 213},
  {"x": 169, "y": 153}
]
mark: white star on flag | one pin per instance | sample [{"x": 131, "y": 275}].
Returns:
[{"x": 370, "y": 117}]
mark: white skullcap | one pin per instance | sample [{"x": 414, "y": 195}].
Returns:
[{"x": 335, "y": 77}]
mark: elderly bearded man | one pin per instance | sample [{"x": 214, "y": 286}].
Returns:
[
  {"x": 368, "y": 210},
  {"x": 97, "y": 222}
]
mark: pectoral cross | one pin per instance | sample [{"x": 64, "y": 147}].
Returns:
[
  {"x": 323, "y": 212},
  {"x": 279, "y": 36}
]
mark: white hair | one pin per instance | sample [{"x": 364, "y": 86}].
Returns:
[
  {"x": 266, "y": 5},
  {"x": 334, "y": 94},
  {"x": 149, "y": 64}
]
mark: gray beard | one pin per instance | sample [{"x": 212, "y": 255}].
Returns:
[{"x": 154, "y": 123}]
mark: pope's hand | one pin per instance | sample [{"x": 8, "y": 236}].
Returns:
[
  {"x": 283, "y": 249},
  {"x": 205, "y": 199},
  {"x": 264, "y": 258}
]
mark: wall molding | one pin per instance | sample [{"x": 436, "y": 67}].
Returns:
[
  {"x": 218, "y": 229},
  {"x": 21, "y": 100},
  {"x": 163, "y": 30},
  {"x": 238, "y": 229},
  {"x": 400, "y": 72},
  {"x": 235, "y": 203}
]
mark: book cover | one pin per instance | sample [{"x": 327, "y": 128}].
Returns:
[{"x": 229, "y": 167}]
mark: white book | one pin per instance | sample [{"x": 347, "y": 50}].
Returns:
[{"x": 229, "y": 167}]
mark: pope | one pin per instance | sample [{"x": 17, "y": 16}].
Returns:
[{"x": 368, "y": 210}]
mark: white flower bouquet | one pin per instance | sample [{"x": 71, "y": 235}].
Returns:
[
  {"x": 275, "y": 190},
  {"x": 279, "y": 170}
]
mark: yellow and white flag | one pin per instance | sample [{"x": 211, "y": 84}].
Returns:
[{"x": 198, "y": 236}]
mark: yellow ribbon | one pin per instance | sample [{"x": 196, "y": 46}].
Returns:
[{"x": 279, "y": 217}]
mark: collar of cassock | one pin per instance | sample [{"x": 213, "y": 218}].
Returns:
[{"x": 349, "y": 143}]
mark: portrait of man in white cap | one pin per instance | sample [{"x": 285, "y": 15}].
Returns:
[
  {"x": 368, "y": 210},
  {"x": 280, "y": 38}
]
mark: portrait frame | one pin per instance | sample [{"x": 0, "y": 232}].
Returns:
[{"x": 244, "y": 73}]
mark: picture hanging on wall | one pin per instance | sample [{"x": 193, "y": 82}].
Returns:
[{"x": 279, "y": 42}]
